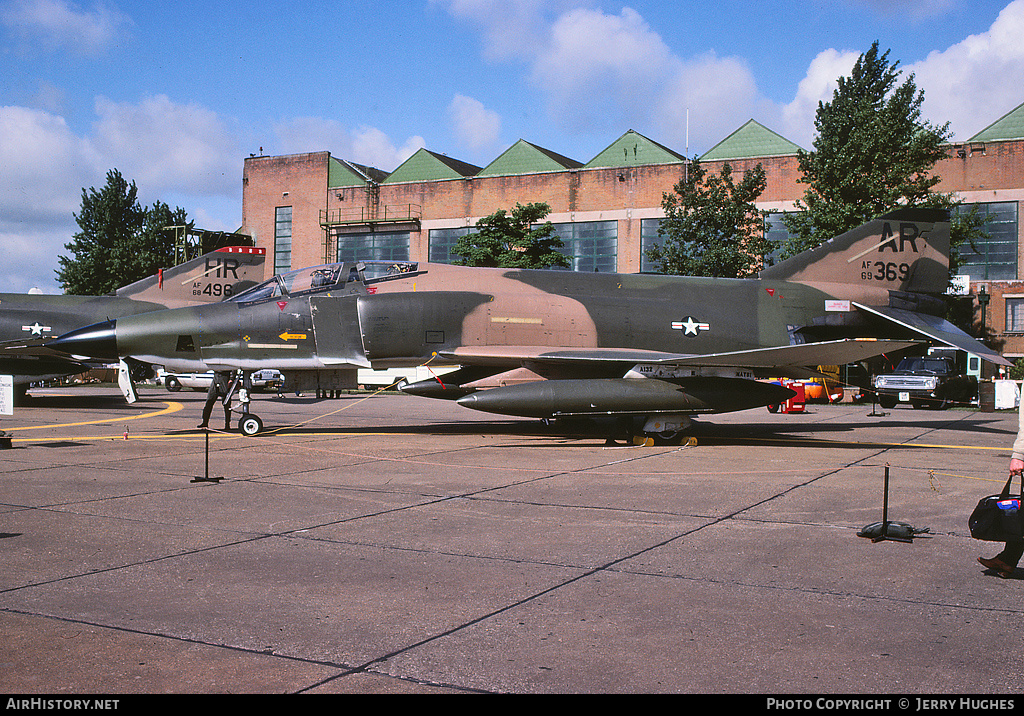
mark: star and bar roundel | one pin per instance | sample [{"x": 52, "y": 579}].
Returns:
[{"x": 690, "y": 326}]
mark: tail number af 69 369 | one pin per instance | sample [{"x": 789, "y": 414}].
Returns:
[{"x": 884, "y": 271}]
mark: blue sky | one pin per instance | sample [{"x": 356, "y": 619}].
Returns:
[{"x": 176, "y": 94}]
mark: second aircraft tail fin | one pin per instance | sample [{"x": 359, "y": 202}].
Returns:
[{"x": 212, "y": 277}]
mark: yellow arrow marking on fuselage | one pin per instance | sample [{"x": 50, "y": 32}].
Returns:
[
  {"x": 286, "y": 336},
  {"x": 172, "y": 407}
]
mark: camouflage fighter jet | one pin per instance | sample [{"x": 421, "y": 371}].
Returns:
[
  {"x": 27, "y": 321},
  {"x": 650, "y": 350}
]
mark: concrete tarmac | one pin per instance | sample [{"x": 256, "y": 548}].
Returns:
[{"x": 393, "y": 544}]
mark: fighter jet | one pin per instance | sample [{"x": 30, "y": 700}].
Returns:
[
  {"x": 27, "y": 321},
  {"x": 649, "y": 350}
]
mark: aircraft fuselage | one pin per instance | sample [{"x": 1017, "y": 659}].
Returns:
[{"x": 408, "y": 321}]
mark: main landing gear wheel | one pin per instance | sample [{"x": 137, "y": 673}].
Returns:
[
  {"x": 668, "y": 437},
  {"x": 250, "y": 425}
]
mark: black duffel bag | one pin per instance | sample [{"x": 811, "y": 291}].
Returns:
[{"x": 999, "y": 518}]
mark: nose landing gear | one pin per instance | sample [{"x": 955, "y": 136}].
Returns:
[{"x": 249, "y": 424}]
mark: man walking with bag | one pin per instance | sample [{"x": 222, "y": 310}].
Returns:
[{"x": 1005, "y": 562}]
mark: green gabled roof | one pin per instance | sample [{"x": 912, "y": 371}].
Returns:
[
  {"x": 525, "y": 158},
  {"x": 632, "y": 149},
  {"x": 750, "y": 141},
  {"x": 426, "y": 165},
  {"x": 341, "y": 173},
  {"x": 1009, "y": 126}
]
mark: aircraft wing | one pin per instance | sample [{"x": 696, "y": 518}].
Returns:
[
  {"x": 779, "y": 357},
  {"x": 937, "y": 329}
]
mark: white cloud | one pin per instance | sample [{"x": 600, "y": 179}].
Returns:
[
  {"x": 299, "y": 135},
  {"x": 602, "y": 71},
  {"x": 44, "y": 165},
  {"x": 183, "y": 154},
  {"x": 717, "y": 93},
  {"x": 975, "y": 81},
  {"x": 162, "y": 144},
  {"x": 606, "y": 72},
  {"x": 171, "y": 151},
  {"x": 30, "y": 258},
  {"x": 58, "y": 24},
  {"x": 821, "y": 81},
  {"x": 364, "y": 145},
  {"x": 609, "y": 72},
  {"x": 45, "y": 168},
  {"x": 511, "y": 28},
  {"x": 473, "y": 124},
  {"x": 373, "y": 147}
]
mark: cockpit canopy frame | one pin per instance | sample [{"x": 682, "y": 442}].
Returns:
[{"x": 344, "y": 276}]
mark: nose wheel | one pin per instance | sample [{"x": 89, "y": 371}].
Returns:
[{"x": 250, "y": 425}]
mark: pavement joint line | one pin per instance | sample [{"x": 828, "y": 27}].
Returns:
[
  {"x": 607, "y": 567},
  {"x": 138, "y": 563},
  {"x": 174, "y": 637},
  {"x": 611, "y": 566},
  {"x": 217, "y": 435}
]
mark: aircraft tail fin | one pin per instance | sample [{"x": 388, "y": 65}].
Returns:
[
  {"x": 904, "y": 250},
  {"x": 209, "y": 278}
]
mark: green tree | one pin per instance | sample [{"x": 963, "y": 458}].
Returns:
[
  {"x": 872, "y": 153},
  {"x": 509, "y": 241},
  {"x": 153, "y": 246},
  {"x": 119, "y": 242},
  {"x": 712, "y": 226}
]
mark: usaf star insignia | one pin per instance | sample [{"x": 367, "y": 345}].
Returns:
[
  {"x": 36, "y": 329},
  {"x": 690, "y": 326}
]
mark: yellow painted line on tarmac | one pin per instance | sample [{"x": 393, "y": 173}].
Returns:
[
  {"x": 839, "y": 443},
  {"x": 215, "y": 436},
  {"x": 172, "y": 407}
]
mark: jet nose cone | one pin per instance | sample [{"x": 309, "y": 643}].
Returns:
[{"x": 95, "y": 341}]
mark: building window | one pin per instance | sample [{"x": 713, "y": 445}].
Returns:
[
  {"x": 993, "y": 257},
  {"x": 590, "y": 245},
  {"x": 779, "y": 233},
  {"x": 442, "y": 241},
  {"x": 282, "y": 239},
  {"x": 387, "y": 246},
  {"x": 649, "y": 238},
  {"x": 1014, "y": 314}
]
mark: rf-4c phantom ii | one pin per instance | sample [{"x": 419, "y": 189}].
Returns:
[{"x": 651, "y": 350}]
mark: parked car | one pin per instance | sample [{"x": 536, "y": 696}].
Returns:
[
  {"x": 261, "y": 380},
  {"x": 196, "y": 381},
  {"x": 265, "y": 380}
]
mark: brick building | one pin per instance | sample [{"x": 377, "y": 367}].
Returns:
[{"x": 314, "y": 208}]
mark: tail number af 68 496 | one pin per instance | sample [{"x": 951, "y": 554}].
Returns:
[{"x": 212, "y": 289}]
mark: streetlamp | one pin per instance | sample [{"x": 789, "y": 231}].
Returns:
[{"x": 983, "y": 299}]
